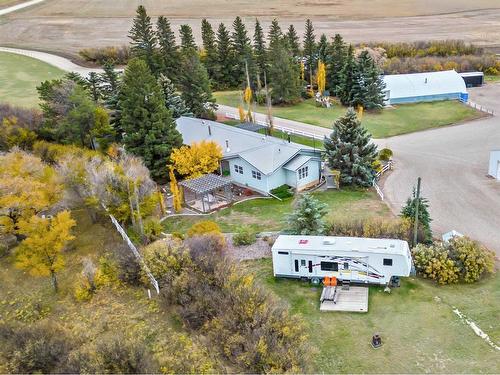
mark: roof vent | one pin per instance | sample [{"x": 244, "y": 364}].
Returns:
[
  {"x": 425, "y": 80},
  {"x": 209, "y": 130},
  {"x": 328, "y": 242},
  {"x": 227, "y": 146},
  {"x": 392, "y": 245}
]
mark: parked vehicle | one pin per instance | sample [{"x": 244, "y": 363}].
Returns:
[{"x": 349, "y": 259}]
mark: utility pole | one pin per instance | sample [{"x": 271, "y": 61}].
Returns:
[
  {"x": 268, "y": 105},
  {"x": 417, "y": 206}
]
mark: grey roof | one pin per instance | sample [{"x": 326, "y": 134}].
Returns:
[
  {"x": 422, "y": 84},
  {"x": 329, "y": 243},
  {"x": 297, "y": 162},
  {"x": 265, "y": 153},
  {"x": 250, "y": 126},
  {"x": 206, "y": 183}
]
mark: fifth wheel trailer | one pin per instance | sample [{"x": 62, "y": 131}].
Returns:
[{"x": 352, "y": 259}]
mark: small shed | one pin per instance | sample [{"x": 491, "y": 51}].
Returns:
[
  {"x": 207, "y": 193},
  {"x": 424, "y": 87},
  {"x": 473, "y": 79},
  {"x": 494, "y": 166}
]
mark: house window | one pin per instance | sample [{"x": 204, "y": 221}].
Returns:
[
  {"x": 283, "y": 252},
  {"x": 387, "y": 262},
  {"x": 329, "y": 266},
  {"x": 238, "y": 169},
  {"x": 303, "y": 172},
  {"x": 256, "y": 175}
]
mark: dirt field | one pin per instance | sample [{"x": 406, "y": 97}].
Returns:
[{"x": 66, "y": 26}]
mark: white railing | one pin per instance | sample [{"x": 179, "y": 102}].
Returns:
[
  {"x": 278, "y": 127},
  {"x": 479, "y": 107},
  {"x": 378, "y": 189},
  {"x": 386, "y": 168}
]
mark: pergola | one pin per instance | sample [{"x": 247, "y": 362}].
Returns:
[{"x": 214, "y": 192}]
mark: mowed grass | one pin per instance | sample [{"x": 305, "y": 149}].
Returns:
[
  {"x": 19, "y": 77},
  {"x": 419, "y": 330},
  {"x": 400, "y": 119},
  {"x": 270, "y": 214}
]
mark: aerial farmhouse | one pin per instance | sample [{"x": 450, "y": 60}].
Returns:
[{"x": 259, "y": 162}]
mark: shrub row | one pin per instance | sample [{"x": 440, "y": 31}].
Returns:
[
  {"x": 441, "y": 48},
  {"x": 99, "y": 55}
]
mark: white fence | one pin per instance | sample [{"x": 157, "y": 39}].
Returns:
[
  {"x": 479, "y": 107},
  {"x": 281, "y": 128},
  {"x": 386, "y": 168},
  {"x": 132, "y": 247}
]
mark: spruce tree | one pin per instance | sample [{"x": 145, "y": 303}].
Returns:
[
  {"x": 424, "y": 218},
  {"x": 149, "y": 128},
  {"x": 293, "y": 41},
  {"x": 225, "y": 58},
  {"x": 93, "y": 85},
  {"x": 323, "y": 48},
  {"x": 275, "y": 36},
  {"x": 243, "y": 52},
  {"x": 349, "y": 150},
  {"x": 307, "y": 217},
  {"x": 209, "y": 56},
  {"x": 310, "y": 49},
  {"x": 173, "y": 101},
  {"x": 259, "y": 49},
  {"x": 144, "y": 39},
  {"x": 195, "y": 86},
  {"x": 169, "y": 53},
  {"x": 187, "y": 39},
  {"x": 283, "y": 74},
  {"x": 110, "y": 89},
  {"x": 348, "y": 79},
  {"x": 371, "y": 94},
  {"x": 335, "y": 63}
]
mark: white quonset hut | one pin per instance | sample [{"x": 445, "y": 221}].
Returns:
[
  {"x": 425, "y": 87},
  {"x": 353, "y": 259},
  {"x": 494, "y": 165}
]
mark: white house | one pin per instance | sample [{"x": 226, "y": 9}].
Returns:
[
  {"x": 254, "y": 160},
  {"x": 425, "y": 87},
  {"x": 353, "y": 259}
]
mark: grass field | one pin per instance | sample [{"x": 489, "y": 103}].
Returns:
[
  {"x": 389, "y": 122},
  {"x": 270, "y": 214},
  {"x": 420, "y": 332},
  {"x": 19, "y": 77},
  {"x": 492, "y": 79}
]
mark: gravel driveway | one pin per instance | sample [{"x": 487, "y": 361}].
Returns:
[{"x": 453, "y": 164}]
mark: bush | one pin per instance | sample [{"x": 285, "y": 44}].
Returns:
[
  {"x": 282, "y": 192},
  {"x": 128, "y": 267},
  {"x": 244, "y": 237},
  {"x": 36, "y": 348},
  {"x": 462, "y": 259},
  {"x": 203, "y": 227},
  {"x": 178, "y": 235},
  {"x": 152, "y": 229},
  {"x": 373, "y": 228},
  {"x": 385, "y": 154},
  {"x": 100, "y": 55},
  {"x": 205, "y": 245}
]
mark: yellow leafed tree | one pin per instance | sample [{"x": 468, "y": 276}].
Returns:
[
  {"x": 321, "y": 77},
  {"x": 196, "y": 160},
  {"x": 176, "y": 192},
  {"x": 302, "y": 70},
  {"x": 27, "y": 187},
  {"x": 41, "y": 252},
  {"x": 241, "y": 113}
]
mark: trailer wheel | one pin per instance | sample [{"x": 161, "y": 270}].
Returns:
[{"x": 315, "y": 280}]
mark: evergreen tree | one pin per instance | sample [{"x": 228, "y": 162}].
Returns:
[
  {"x": 349, "y": 150},
  {"x": 209, "y": 56},
  {"x": 335, "y": 63},
  {"x": 293, "y": 41},
  {"x": 173, "y": 101},
  {"x": 225, "y": 60},
  {"x": 110, "y": 88},
  {"x": 307, "y": 217},
  {"x": 93, "y": 85},
  {"x": 187, "y": 39},
  {"x": 369, "y": 91},
  {"x": 243, "y": 53},
  {"x": 195, "y": 87},
  {"x": 144, "y": 39},
  {"x": 323, "y": 48},
  {"x": 275, "y": 36},
  {"x": 424, "y": 218},
  {"x": 149, "y": 129},
  {"x": 310, "y": 50},
  {"x": 168, "y": 50},
  {"x": 259, "y": 49},
  {"x": 349, "y": 77},
  {"x": 283, "y": 75}
]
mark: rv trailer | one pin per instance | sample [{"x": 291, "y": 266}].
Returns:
[{"x": 349, "y": 259}]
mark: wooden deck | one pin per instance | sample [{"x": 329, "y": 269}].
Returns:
[{"x": 355, "y": 299}]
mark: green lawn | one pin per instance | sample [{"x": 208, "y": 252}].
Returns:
[
  {"x": 492, "y": 79},
  {"x": 420, "y": 332},
  {"x": 401, "y": 119},
  {"x": 270, "y": 214},
  {"x": 19, "y": 77}
]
